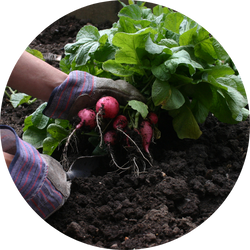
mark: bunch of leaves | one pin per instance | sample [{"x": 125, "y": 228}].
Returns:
[
  {"x": 174, "y": 62},
  {"x": 17, "y": 98},
  {"x": 45, "y": 133}
]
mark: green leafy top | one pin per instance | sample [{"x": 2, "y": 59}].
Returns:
[{"x": 175, "y": 63}]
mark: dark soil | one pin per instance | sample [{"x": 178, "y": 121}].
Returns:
[{"x": 190, "y": 179}]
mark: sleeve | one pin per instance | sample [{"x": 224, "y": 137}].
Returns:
[
  {"x": 63, "y": 96},
  {"x": 33, "y": 177}
]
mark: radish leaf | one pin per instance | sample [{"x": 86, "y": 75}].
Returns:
[
  {"x": 185, "y": 123},
  {"x": 44, "y": 132},
  {"x": 39, "y": 120},
  {"x": 117, "y": 69},
  {"x": 19, "y": 98},
  {"x": 166, "y": 95},
  {"x": 49, "y": 145},
  {"x": 35, "y": 136},
  {"x": 140, "y": 107},
  {"x": 173, "y": 22}
]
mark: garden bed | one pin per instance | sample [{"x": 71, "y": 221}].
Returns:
[{"x": 189, "y": 179}]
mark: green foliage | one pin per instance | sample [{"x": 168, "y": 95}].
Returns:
[
  {"x": 44, "y": 132},
  {"x": 175, "y": 63},
  {"x": 140, "y": 107}
]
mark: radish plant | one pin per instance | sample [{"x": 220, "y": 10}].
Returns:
[
  {"x": 175, "y": 63},
  {"x": 107, "y": 110}
]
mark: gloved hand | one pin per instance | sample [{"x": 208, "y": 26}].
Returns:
[
  {"x": 81, "y": 90},
  {"x": 39, "y": 178}
]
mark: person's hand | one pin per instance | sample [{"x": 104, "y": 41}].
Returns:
[
  {"x": 81, "y": 90},
  {"x": 39, "y": 178},
  {"x": 120, "y": 89}
]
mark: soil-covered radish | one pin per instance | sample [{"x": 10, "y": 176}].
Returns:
[
  {"x": 108, "y": 106},
  {"x": 120, "y": 122},
  {"x": 146, "y": 132},
  {"x": 88, "y": 119},
  {"x": 110, "y": 138},
  {"x": 152, "y": 118}
]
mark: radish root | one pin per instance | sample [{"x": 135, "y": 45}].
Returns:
[
  {"x": 136, "y": 168},
  {"x": 122, "y": 167},
  {"x": 139, "y": 150},
  {"x": 98, "y": 122},
  {"x": 64, "y": 161},
  {"x": 115, "y": 163}
]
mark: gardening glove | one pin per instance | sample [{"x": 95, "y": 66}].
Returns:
[
  {"x": 39, "y": 178},
  {"x": 81, "y": 90}
]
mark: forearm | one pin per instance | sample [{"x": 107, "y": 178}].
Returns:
[
  {"x": 35, "y": 77},
  {"x": 8, "y": 158}
]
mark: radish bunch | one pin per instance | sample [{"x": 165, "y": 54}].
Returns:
[{"x": 118, "y": 128}]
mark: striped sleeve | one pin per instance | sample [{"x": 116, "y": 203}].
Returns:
[
  {"x": 29, "y": 172},
  {"x": 47, "y": 200},
  {"x": 63, "y": 96}
]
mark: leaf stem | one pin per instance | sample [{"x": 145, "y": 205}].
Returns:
[
  {"x": 6, "y": 93},
  {"x": 137, "y": 115},
  {"x": 142, "y": 91},
  {"x": 32, "y": 101},
  {"x": 139, "y": 150},
  {"x": 183, "y": 84},
  {"x": 11, "y": 90}
]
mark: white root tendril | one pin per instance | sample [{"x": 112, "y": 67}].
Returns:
[
  {"x": 114, "y": 161},
  {"x": 139, "y": 150},
  {"x": 150, "y": 157},
  {"x": 136, "y": 168},
  {"x": 65, "y": 150},
  {"x": 99, "y": 127}
]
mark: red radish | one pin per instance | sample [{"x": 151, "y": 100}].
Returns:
[
  {"x": 146, "y": 131},
  {"x": 88, "y": 118},
  {"x": 153, "y": 118},
  {"x": 109, "y": 107},
  {"x": 120, "y": 122},
  {"x": 110, "y": 138}
]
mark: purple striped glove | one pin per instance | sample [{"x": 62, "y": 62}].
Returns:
[
  {"x": 82, "y": 90},
  {"x": 44, "y": 186}
]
